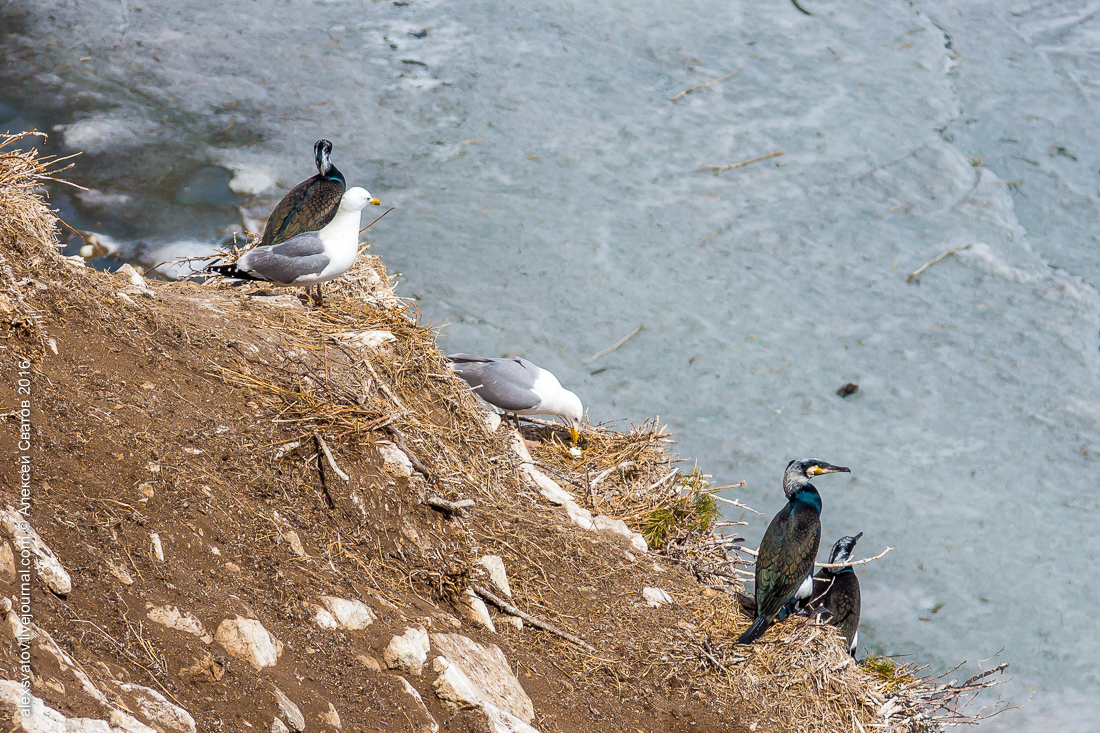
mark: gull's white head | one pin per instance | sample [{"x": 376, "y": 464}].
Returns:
[
  {"x": 356, "y": 199},
  {"x": 572, "y": 410}
]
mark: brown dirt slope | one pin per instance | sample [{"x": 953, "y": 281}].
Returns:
[{"x": 192, "y": 413}]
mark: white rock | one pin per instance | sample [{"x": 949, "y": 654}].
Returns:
[
  {"x": 174, "y": 618},
  {"x": 656, "y": 597},
  {"x": 637, "y": 541},
  {"x": 157, "y": 547},
  {"x": 365, "y": 339},
  {"x": 492, "y": 420},
  {"x": 332, "y": 717},
  {"x": 520, "y": 447},
  {"x": 488, "y": 669},
  {"x": 514, "y": 621},
  {"x": 394, "y": 460},
  {"x": 46, "y": 564},
  {"x": 155, "y": 708},
  {"x": 248, "y": 639},
  {"x": 350, "y": 614},
  {"x": 408, "y": 651},
  {"x": 607, "y": 525},
  {"x": 278, "y": 726},
  {"x": 136, "y": 281},
  {"x": 125, "y": 723},
  {"x": 494, "y": 565},
  {"x": 324, "y": 619},
  {"x": 42, "y": 718},
  {"x": 579, "y": 515},
  {"x": 475, "y": 610},
  {"x": 548, "y": 487},
  {"x": 7, "y": 562},
  {"x": 430, "y": 726},
  {"x": 454, "y": 687},
  {"x": 120, "y": 573},
  {"x": 289, "y": 712},
  {"x": 295, "y": 543}
]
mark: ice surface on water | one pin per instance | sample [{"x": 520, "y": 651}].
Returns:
[{"x": 548, "y": 199}]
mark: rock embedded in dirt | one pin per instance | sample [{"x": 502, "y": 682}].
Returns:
[
  {"x": 46, "y": 564},
  {"x": 394, "y": 460},
  {"x": 426, "y": 723},
  {"x": 332, "y": 717},
  {"x": 349, "y": 614},
  {"x": 289, "y": 712},
  {"x": 155, "y": 708},
  {"x": 456, "y": 689},
  {"x": 656, "y": 597},
  {"x": 248, "y": 639},
  {"x": 278, "y": 726},
  {"x": 42, "y": 718},
  {"x": 475, "y": 611},
  {"x": 174, "y": 618},
  {"x": 408, "y": 651},
  {"x": 488, "y": 668},
  {"x": 494, "y": 566},
  {"x": 7, "y": 562}
]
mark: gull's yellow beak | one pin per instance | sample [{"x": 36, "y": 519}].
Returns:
[
  {"x": 574, "y": 434},
  {"x": 375, "y": 202}
]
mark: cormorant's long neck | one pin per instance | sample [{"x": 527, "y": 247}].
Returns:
[
  {"x": 808, "y": 496},
  {"x": 332, "y": 173}
]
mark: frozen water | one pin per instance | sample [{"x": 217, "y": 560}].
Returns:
[{"x": 548, "y": 199}]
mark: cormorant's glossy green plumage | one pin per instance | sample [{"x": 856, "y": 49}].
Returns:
[
  {"x": 787, "y": 553},
  {"x": 311, "y": 204}
]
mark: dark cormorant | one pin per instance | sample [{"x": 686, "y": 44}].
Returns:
[
  {"x": 310, "y": 205},
  {"x": 785, "y": 562},
  {"x": 837, "y": 592}
]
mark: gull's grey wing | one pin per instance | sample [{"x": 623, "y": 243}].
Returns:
[
  {"x": 284, "y": 263},
  {"x": 503, "y": 383}
]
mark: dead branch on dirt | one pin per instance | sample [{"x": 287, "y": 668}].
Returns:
[
  {"x": 453, "y": 507},
  {"x": 507, "y": 607},
  {"x": 329, "y": 457}
]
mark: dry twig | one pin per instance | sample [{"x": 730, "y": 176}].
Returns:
[
  {"x": 704, "y": 86},
  {"x": 942, "y": 255},
  {"x": 507, "y": 607},
  {"x": 614, "y": 346},
  {"x": 719, "y": 168}
]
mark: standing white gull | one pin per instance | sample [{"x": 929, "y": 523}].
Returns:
[
  {"x": 520, "y": 387},
  {"x": 310, "y": 258}
]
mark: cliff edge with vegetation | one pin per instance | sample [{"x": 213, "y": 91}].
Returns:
[{"x": 243, "y": 513}]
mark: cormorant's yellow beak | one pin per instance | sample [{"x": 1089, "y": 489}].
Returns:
[
  {"x": 375, "y": 202},
  {"x": 827, "y": 468},
  {"x": 574, "y": 434}
]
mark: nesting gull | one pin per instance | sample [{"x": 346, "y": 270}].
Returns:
[
  {"x": 307, "y": 259},
  {"x": 519, "y": 387}
]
